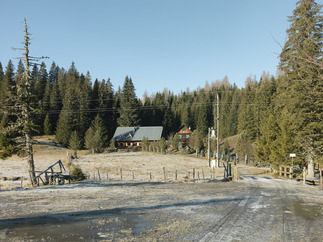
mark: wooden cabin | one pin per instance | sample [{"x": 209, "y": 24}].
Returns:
[{"x": 131, "y": 137}]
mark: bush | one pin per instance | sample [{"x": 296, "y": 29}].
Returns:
[{"x": 77, "y": 171}]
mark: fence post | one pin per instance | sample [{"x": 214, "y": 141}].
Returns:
[
  {"x": 121, "y": 174},
  {"x": 235, "y": 174},
  {"x": 321, "y": 178},
  {"x": 176, "y": 175},
  {"x": 193, "y": 174},
  {"x": 164, "y": 170},
  {"x": 99, "y": 174},
  {"x": 304, "y": 174},
  {"x": 107, "y": 172}
]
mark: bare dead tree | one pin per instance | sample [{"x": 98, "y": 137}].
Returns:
[{"x": 23, "y": 102}]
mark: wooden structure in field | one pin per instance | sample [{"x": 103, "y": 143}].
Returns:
[{"x": 54, "y": 174}]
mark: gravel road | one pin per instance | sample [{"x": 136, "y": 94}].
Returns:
[{"x": 256, "y": 208}]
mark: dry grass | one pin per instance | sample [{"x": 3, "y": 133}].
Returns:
[{"x": 139, "y": 166}]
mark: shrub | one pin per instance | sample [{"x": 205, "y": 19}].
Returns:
[{"x": 77, "y": 171}]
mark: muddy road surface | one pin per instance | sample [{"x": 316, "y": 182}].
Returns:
[{"x": 255, "y": 208}]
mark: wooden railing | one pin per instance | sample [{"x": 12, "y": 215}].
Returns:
[{"x": 286, "y": 171}]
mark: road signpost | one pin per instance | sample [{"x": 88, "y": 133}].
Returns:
[{"x": 292, "y": 156}]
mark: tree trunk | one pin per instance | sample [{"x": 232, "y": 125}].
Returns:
[
  {"x": 310, "y": 165},
  {"x": 309, "y": 159},
  {"x": 30, "y": 158}
]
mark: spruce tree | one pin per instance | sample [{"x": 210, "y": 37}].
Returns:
[
  {"x": 75, "y": 143},
  {"x": 8, "y": 86},
  {"x": 105, "y": 106},
  {"x": 55, "y": 105},
  {"x": 301, "y": 86},
  {"x": 53, "y": 73},
  {"x": 84, "y": 96},
  {"x": 41, "y": 81},
  {"x": 129, "y": 115},
  {"x": 47, "y": 125},
  {"x": 7, "y": 107},
  {"x": 1, "y": 84},
  {"x": 247, "y": 111},
  {"x": 96, "y": 136},
  {"x": 69, "y": 117}
]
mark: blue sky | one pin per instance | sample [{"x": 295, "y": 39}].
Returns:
[{"x": 173, "y": 44}]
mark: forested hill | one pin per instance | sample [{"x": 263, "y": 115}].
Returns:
[{"x": 280, "y": 115}]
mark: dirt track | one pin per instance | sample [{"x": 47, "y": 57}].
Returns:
[
  {"x": 138, "y": 208},
  {"x": 257, "y": 207}
]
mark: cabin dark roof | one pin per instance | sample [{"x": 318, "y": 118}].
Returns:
[{"x": 137, "y": 133}]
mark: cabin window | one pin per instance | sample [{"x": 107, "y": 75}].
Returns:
[
  {"x": 187, "y": 136},
  {"x": 180, "y": 136}
]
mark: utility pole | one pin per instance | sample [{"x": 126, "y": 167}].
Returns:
[{"x": 217, "y": 129}]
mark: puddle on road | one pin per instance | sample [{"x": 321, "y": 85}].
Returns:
[
  {"x": 116, "y": 226},
  {"x": 304, "y": 210}
]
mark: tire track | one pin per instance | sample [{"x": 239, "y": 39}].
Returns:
[
  {"x": 224, "y": 224},
  {"x": 259, "y": 212}
]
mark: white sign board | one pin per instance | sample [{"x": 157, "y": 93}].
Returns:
[{"x": 292, "y": 155}]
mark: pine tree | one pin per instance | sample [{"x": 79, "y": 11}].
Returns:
[
  {"x": 146, "y": 114},
  {"x": 20, "y": 72},
  {"x": 75, "y": 143},
  {"x": 96, "y": 136},
  {"x": 64, "y": 128},
  {"x": 247, "y": 111},
  {"x": 89, "y": 140},
  {"x": 8, "y": 86},
  {"x": 196, "y": 141},
  {"x": 53, "y": 73},
  {"x": 106, "y": 100},
  {"x": 40, "y": 82},
  {"x": 301, "y": 86},
  {"x": 69, "y": 117},
  {"x": 129, "y": 115},
  {"x": 47, "y": 125},
  {"x": 1, "y": 84},
  {"x": 84, "y": 96},
  {"x": 202, "y": 122},
  {"x": 7, "y": 107},
  {"x": 55, "y": 106}
]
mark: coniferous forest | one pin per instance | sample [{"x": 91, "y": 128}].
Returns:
[{"x": 272, "y": 116}]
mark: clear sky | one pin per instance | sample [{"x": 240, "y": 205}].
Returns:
[{"x": 173, "y": 44}]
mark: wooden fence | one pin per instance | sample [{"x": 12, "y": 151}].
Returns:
[
  {"x": 120, "y": 174},
  {"x": 286, "y": 171}
]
